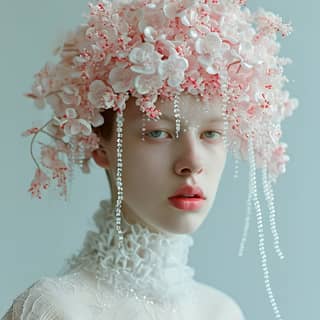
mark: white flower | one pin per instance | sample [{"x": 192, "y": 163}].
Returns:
[
  {"x": 177, "y": 8},
  {"x": 210, "y": 49},
  {"x": 173, "y": 69},
  {"x": 145, "y": 84},
  {"x": 70, "y": 95},
  {"x": 121, "y": 78},
  {"x": 96, "y": 91},
  {"x": 145, "y": 59},
  {"x": 73, "y": 126}
]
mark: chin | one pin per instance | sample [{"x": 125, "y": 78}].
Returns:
[{"x": 188, "y": 226}]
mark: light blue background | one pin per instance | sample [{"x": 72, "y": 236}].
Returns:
[{"x": 36, "y": 236}]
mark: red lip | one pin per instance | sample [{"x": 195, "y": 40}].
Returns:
[{"x": 189, "y": 190}]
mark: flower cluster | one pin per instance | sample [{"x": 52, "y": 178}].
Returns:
[{"x": 148, "y": 49}]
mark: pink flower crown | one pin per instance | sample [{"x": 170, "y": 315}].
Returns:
[{"x": 148, "y": 49}]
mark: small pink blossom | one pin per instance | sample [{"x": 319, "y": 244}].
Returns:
[
  {"x": 145, "y": 84},
  {"x": 38, "y": 96},
  {"x": 176, "y": 8},
  {"x": 173, "y": 69},
  {"x": 96, "y": 118},
  {"x": 277, "y": 163},
  {"x": 59, "y": 174},
  {"x": 207, "y": 56},
  {"x": 70, "y": 95},
  {"x": 97, "y": 89},
  {"x": 49, "y": 157},
  {"x": 145, "y": 59},
  {"x": 121, "y": 78},
  {"x": 30, "y": 131},
  {"x": 73, "y": 126},
  {"x": 40, "y": 181}
]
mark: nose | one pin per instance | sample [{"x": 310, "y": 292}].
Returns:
[{"x": 189, "y": 160}]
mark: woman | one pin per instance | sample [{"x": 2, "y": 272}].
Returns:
[{"x": 157, "y": 92}]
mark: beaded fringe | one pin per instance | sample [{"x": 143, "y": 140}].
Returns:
[{"x": 253, "y": 199}]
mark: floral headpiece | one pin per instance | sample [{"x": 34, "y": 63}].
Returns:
[{"x": 162, "y": 48}]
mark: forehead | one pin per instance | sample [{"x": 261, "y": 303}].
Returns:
[{"x": 192, "y": 110}]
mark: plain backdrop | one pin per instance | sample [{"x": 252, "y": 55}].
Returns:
[{"x": 37, "y": 236}]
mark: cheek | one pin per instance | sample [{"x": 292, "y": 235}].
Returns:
[{"x": 142, "y": 167}]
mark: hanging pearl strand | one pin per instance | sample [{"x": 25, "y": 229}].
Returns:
[
  {"x": 120, "y": 120},
  {"x": 269, "y": 196},
  {"x": 236, "y": 163},
  {"x": 176, "y": 110},
  {"x": 225, "y": 100},
  {"x": 257, "y": 206},
  {"x": 247, "y": 219},
  {"x": 71, "y": 162},
  {"x": 143, "y": 127}
]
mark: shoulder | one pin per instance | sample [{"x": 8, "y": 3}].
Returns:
[
  {"x": 217, "y": 304},
  {"x": 36, "y": 301},
  {"x": 50, "y": 298}
]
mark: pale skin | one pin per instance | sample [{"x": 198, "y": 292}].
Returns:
[{"x": 155, "y": 168}]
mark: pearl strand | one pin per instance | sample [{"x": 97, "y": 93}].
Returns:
[
  {"x": 120, "y": 120},
  {"x": 71, "y": 162},
  {"x": 256, "y": 202},
  {"x": 269, "y": 196},
  {"x": 176, "y": 110},
  {"x": 236, "y": 162},
  {"x": 225, "y": 100},
  {"x": 247, "y": 220},
  {"x": 143, "y": 127}
]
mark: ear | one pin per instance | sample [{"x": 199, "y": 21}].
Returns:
[{"x": 100, "y": 157}]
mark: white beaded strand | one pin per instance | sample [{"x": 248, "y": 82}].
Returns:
[
  {"x": 269, "y": 196},
  {"x": 236, "y": 162},
  {"x": 176, "y": 110},
  {"x": 120, "y": 121},
  {"x": 245, "y": 232},
  {"x": 143, "y": 127},
  {"x": 225, "y": 100},
  {"x": 257, "y": 206}
]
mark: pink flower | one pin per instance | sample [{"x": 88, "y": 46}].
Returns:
[
  {"x": 277, "y": 163},
  {"x": 145, "y": 84},
  {"x": 40, "y": 180},
  {"x": 70, "y": 95},
  {"x": 30, "y": 131},
  {"x": 49, "y": 157},
  {"x": 60, "y": 175},
  {"x": 96, "y": 119},
  {"x": 121, "y": 78},
  {"x": 177, "y": 8},
  {"x": 145, "y": 59},
  {"x": 207, "y": 56},
  {"x": 97, "y": 89},
  {"x": 173, "y": 69},
  {"x": 73, "y": 126},
  {"x": 38, "y": 96}
]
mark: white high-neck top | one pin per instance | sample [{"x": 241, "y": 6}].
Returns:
[{"x": 148, "y": 279}]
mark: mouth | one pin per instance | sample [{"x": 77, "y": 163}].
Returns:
[
  {"x": 189, "y": 192},
  {"x": 187, "y": 203},
  {"x": 188, "y": 198}
]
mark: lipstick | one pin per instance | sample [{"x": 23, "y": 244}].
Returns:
[{"x": 188, "y": 198}]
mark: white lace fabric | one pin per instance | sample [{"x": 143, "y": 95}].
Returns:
[
  {"x": 152, "y": 266},
  {"x": 148, "y": 279}
]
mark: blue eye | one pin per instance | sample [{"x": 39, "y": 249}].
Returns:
[
  {"x": 214, "y": 134},
  {"x": 152, "y": 135}
]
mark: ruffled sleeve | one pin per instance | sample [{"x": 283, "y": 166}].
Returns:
[{"x": 36, "y": 302}]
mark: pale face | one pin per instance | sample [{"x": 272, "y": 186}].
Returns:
[{"x": 155, "y": 168}]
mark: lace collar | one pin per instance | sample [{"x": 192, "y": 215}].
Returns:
[{"x": 152, "y": 266}]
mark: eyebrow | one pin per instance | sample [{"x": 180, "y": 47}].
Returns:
[{"x": 165, "y": 117}]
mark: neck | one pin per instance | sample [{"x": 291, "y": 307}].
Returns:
[{"x": 149, "y": 264}]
